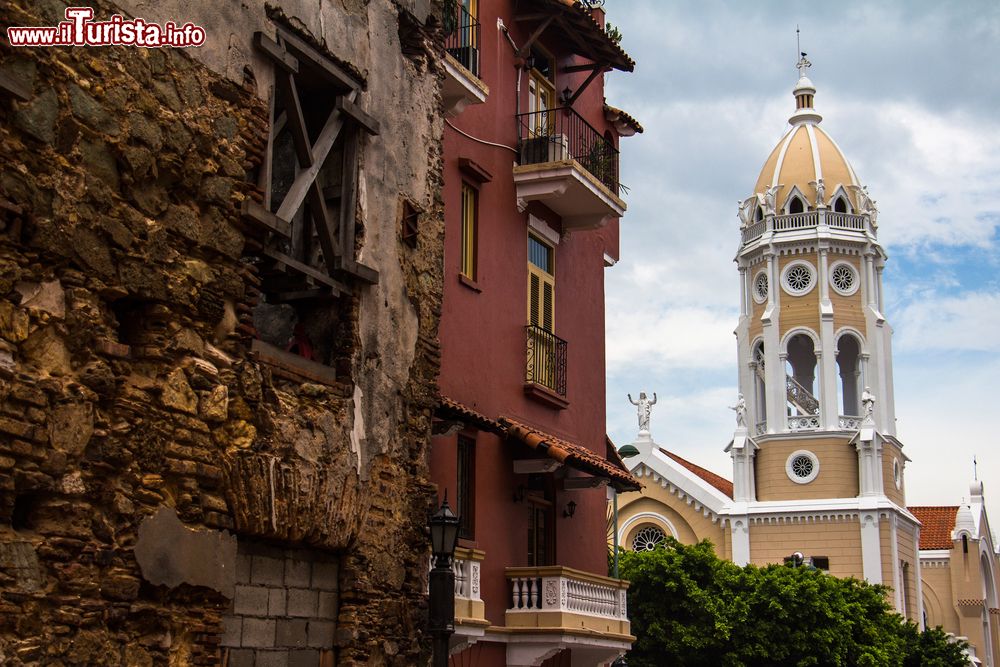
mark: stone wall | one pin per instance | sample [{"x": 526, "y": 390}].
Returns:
[{"x": 138, "y": 428}]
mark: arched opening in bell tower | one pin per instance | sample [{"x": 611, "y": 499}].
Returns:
[
  {"x": 849, "y": 366},
  {"x": 800, "y": 367},
  {"x": 759, "y": 395}
]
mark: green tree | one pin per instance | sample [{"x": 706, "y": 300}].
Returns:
[{"x": 690, "y": 608}]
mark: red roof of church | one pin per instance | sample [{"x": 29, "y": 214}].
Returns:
[
  {"x": 938, "y": 522},
  {"x": 721, "y": 483}
]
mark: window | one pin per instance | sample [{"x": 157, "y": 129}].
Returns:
[
  {"x": 540, "y": 533},
  {"x": 461, "y": 30},
  {"x": 304, "y": 243},
  {"x": 647, "y": 538},
  {"x": 541, "y": 92},
  {"x": 466, "y": 486},
  {"x": 820, "y": 562},
  {"x": 470, "y": 220},
  {"x": 760, "y": 287},
  {"x": 840, "y": 205},
  {"x": 802, "y": 467},
  {"x": 796, "y": 205},
  {"x": 798, "y": 278},
  {"x": 541, "y": 284},
  {"x": 844, "y": 278}
]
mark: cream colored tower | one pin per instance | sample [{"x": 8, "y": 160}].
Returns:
[
  {"x": 815, "y": 364},
  {"x": 817, "y": 468}
]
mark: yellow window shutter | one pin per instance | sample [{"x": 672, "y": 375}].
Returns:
[
  {"x": 534, "y": 298},
  {"x": 548, "y": 305}
]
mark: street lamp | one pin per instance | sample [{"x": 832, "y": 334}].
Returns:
[
  {"x": 625, "y": 452},
  {"x": 444, "y": 534}
]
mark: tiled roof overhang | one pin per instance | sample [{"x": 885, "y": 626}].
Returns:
[
  {"x": 571, "y": 454},
  {"x": 614, "y": 114},
  {"x": 719, "y": 482},
  {"x": 588, "y": 37}
]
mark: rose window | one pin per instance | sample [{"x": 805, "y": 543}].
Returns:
[
  {"x": 844, "y": 279},
  {"x": 760, "y": 287},
  {"x": 798, "y": 278},
  {"x": 647, "y": 539},
  {"x": 802, "y": 466}
]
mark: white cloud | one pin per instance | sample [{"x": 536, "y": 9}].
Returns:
[{"x": 967, "y": 322}]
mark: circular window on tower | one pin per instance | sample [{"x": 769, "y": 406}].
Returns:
[
  {"x": 844, "y": 279},
  {"x": 798, "y": 278},
  {"x": 760, "y": 287},
  {"x": 647, "y": 538},
  {"x": 802, "y": 467}
]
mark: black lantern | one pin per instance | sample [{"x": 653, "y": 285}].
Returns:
[
  {"x": 444, "y": 532},
  {"x": 444, "y": 535}
]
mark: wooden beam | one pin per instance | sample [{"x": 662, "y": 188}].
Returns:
[
  {"x": 572, "y": 69},
  {"x": 324, "y": 226},
  {"x": 581, "y": 45},
  {"x": 520, "y": 18},
  {"x": 583, "y": 86},
  {"x": 296, "y": 124},
  {"x": 16, "y": 88},
  {"x": 251, "y": 210},
  {"x": 317, "y": 275},
  {"x": 348, "y": 195},
  {"x": 526, "y": 47},
  {"x": 298, "y": 295},
  {"x": 327, "y": 68},
  {"x": 358, "y": 270},
  {"x": 535, "y": 466},
  {"x": 358, "y": 114},
  {"x": 276, "y": 52},
  {"x": 319, "y": 152}
]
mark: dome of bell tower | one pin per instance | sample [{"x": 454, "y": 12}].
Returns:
[{"x": 807, "y": 162}]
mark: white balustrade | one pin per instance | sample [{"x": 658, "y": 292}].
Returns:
[
  {"x": 795, "y": 221},
  {"x": 466, "y": 578},
  {"x": 760, "y": 428},
  {"x": 849, "y": 422},
  {"x": 845, "y": 221},
  {"x": 559, "y": 589},
  {"x": 803, "y": 423}
]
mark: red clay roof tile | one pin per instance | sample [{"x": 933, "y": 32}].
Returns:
[
  {"x": 720, "y": 483},
  {"x": 938, "y": 522}
]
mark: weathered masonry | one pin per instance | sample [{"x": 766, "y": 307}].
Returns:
[{"x": 220, "y": 284}]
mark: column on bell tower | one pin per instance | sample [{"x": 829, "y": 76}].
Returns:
[
  {"x": 774, "y": 362},
  {"x": 829, "y": 409}
]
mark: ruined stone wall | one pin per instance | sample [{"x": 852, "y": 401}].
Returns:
[{"x": 143, "y": 445}]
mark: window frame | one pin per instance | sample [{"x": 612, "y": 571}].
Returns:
[
  {"x": 537, "y": 318},
  {"x": 465, "y": 485},
  {"x": 469, "y": 250}
]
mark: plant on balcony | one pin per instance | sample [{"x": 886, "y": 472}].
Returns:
[{"x": 690, "y": 608}]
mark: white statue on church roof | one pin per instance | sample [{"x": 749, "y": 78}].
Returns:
[{"x": 644, "y": 408}]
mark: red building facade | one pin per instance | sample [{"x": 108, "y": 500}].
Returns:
[{"x": 532, "y": 204}]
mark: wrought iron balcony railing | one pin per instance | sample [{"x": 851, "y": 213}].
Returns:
[
  {"x": 546, "y": 357},
  {"x": 462, "y": 36},
  {"x": 562, "y": 134}
]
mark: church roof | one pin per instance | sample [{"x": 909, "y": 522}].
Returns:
[
  {"x": 719, "y": 482},
  {"x": 937, "y": 524}
]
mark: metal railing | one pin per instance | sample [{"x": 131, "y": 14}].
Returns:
[
  {"x": 563, "y": 134},
  {"x": 461, "y": 40},
  {"x": 801, "y": 397},
  {"x": 546, "y": 359}
]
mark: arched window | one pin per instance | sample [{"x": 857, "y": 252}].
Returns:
[
  {"x": 647, "y": 538},
  {"x": 760, "y": 398},
  {"x": 849, "y": 365},
  {"x": 840, "y": 205},
  {"x": 758, "y": 213},
  {"x": 795, "y": 205},
  {"x": 800, "y": 366}
]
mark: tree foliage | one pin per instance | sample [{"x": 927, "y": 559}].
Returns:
[{"x": 690, "y": 608}]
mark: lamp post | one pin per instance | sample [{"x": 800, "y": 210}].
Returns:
[
  {"x": 627, "y": 451},
  {"x": 444, "y": 534}
]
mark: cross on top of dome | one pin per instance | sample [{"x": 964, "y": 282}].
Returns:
[{"x": 803, "y": 65}]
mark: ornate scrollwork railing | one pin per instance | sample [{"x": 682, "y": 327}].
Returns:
[
  {"x": 546, "y": 359},
  {"x": 801, "y": 397}
]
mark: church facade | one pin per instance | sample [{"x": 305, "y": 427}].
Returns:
[{"x": 817, "y": 467}]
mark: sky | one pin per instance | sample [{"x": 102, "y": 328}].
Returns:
[{"x": 910, "y": 91}]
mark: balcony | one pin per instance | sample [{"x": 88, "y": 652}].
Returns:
[
  {"x": 569, "y": 166},
  {"x": 545, "y": 374},
  {"x": 809, "y": 220},
  {"x": 561, "y": 597},
  {"x": 462, "y": 86},
  {"x": 470, "y": 614}
]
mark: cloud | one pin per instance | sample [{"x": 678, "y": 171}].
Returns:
[{"x": 968, "y": 322}]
